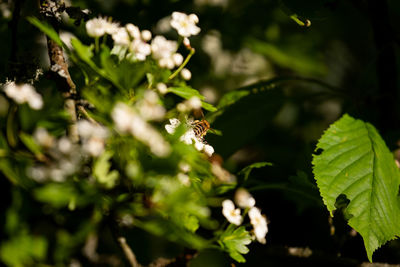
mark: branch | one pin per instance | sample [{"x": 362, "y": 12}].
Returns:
[
  {"x": 51, "y": 12},
  {"x": 115, "y": 232},
  {"x": 130, "y": 256}
]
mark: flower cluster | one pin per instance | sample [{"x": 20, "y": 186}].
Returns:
[
  {"x": 127, "y": 120},
  {"x": 140, "y": 43},
  {"x": 164, "y": 51},
  {"x": 244, "y": 200},
  {"x": 63, "y": 158},
  {"x": 93, "y": 137},
  {"x": 189, "y": 137},
  {"x": 23, "y": 93}
]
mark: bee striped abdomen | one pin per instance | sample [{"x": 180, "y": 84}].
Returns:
[{"x": 200, "y": 128}]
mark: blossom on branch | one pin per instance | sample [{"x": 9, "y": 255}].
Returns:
[
  {"x": 259, "y": 223},
  {"x": 23, "y": 93},
  {"x": 231, "y": 214},
  {"x": 97, "y": 27},
  {"x": 185, "y": 24}
]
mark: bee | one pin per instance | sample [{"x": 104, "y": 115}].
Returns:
[{"x": 200, "y": 128}]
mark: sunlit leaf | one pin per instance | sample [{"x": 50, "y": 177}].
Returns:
[
  {"x": 101, "y": 170},
  {"x": 234, "y": 241},
  {"x": 185, "y": 92},
  {"x": 356, "y": 162},
  {"x": 23, "y": 250}
]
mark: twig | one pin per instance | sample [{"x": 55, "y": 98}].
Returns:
[
  {"x": 50, "y": 11},
  {"x": 115, "y": 232},
  {"x": 86, "y": 114},
  {"x": 130, "y": 256}
]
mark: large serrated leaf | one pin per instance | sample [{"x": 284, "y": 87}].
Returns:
[{"x": 356, "y": 162}]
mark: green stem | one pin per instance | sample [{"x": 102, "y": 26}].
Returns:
[
  {"x": 173, "y": 75},
  {"x": 11, "y": 136},
  {"x": 96, "y": 44}
]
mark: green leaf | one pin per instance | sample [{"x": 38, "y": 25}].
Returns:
[
  {"x": 124, "y": 74},
  {"x": 84, "y": 52},
  {"x": 190, "y": 222},
  {"x": 23, "y": 250},
  {"x": 232, "y": 97},
  {"x": 208, "y": 106},
  {"x": 234, "y": 241},
  {"x": 356, "y": 162},
  {"x": 246, "y": 170},
  {"x": 46, "y": 29},
  {"x": 30, "y": 143},
  {"x": 185, "y": 92},
  {"x": 101, "y": 170},
  {"x": 167, "y": 229},
  {"x": 56, "y": 194}
]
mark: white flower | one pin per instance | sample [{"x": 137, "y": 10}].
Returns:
[
  {"x": 186, "y": 74},
  {"x": 97, "y": 27},
  {"x": 43, "y": 138},
  {"x": 122, "y": 116},
  {"x": 140, "y": 49},
  {"x": 146, "y": 35},
  {"x": 184, "y": 167},
  {"x": 185, "y": 24},
  {"x": 94, "y": 146},
  {"x": 222, "y": 174},
  {"x": 163, "y": 48},
  {"x": 182, "y": 107},
  {"x": 177, "y": 58},
  {"x": 198, "y": 144},
  {"x": 162, "y": 88},
  {"x": 127, "y": 120},
  {"x": 194, "y": 102},
  {"x": 24, "y": 93},
  {"x": 209, "y": 150},
  {"x": 231, "y": 214},
  {"x": 184, "y": 179},
  {"x": 189, "y": 104},
  {"x": 37, "y": 173},
  {"x": 174, "y": 123},
  {"x": 188, "y": 137},
  {"x": 186, "y": 42},
  {"x": 133, "y": 30},
  {"x": 64, "y": 145},
  {"x": 93, "y": 137},
  {"x": 163, "y": 51},
  {"x": 121, "y": 37},
  {"x": 149, "y": 107},
  {"x": 259, "y": 224},
  {"x": 244, "y": 199}
]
